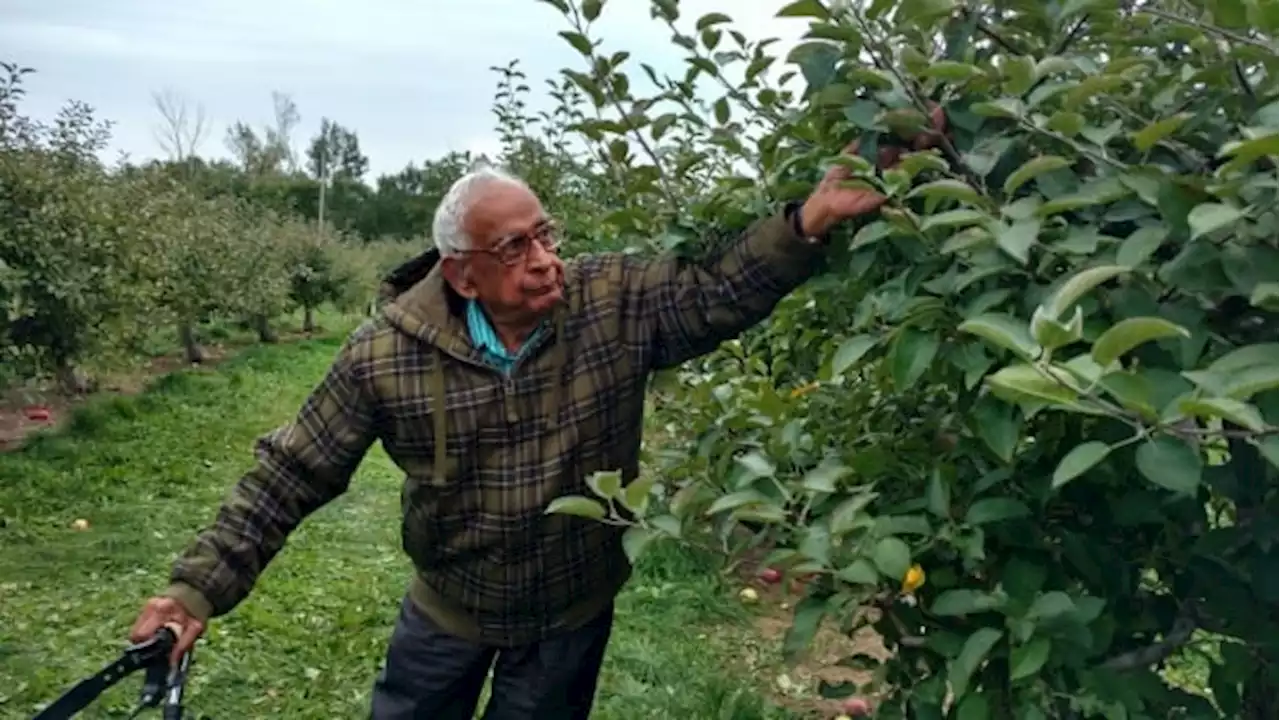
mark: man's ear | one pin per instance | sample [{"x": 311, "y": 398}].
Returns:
[{"x": 458, "y": 274}]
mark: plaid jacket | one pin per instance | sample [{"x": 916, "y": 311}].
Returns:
[{"x": 484, "y": 452}]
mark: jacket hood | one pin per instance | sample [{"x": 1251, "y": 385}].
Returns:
[{"x": 420, "y": 304}]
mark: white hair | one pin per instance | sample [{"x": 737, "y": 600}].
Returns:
[{"x": 447, "y": 231}]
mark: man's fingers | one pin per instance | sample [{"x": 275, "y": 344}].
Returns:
[
  {"x": 146, "y": 625},
  {"x": 186, "y": 639}
]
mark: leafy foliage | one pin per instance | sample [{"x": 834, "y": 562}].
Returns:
[
  {"x": 93, "y": 256},
  {"x": 1046, "y": 375}
]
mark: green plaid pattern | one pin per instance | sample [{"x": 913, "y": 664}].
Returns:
[{"x": 483, "y": 451}]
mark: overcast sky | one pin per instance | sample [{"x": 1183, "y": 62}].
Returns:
[{"x": 410, "y": 76}]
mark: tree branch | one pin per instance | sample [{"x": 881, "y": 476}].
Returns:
[
  {"x": 1207, "y": 28},
  {"x": 1158, "y": 651}
]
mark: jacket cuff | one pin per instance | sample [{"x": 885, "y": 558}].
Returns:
[{"x": 191, "y": 599}]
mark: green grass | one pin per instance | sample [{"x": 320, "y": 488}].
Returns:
[{"x": 148, "y": 471}]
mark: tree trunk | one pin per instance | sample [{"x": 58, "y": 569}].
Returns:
[
  {"x": 74, "y": 381},
  {"x": 266, "y": 333},
  {"x": 308, "y": 320},
  {"x": 190, "y": 345}
]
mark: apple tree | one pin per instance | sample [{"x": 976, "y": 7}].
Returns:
[{"x": 1025, "y": 422}]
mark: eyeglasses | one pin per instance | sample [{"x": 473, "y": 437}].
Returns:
[{"x": 513, "y": 249}]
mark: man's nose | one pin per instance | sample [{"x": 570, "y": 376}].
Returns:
[{"x": 540, "y": 258}]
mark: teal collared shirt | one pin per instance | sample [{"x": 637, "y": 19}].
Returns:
[{"x": 486, "y": 339}]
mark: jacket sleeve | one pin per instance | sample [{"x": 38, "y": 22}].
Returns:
[
  {"x": 300, "y": 467},
  {"x": 680, "y": 310}
]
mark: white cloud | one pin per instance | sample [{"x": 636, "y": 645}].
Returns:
[{"x": 410, "y": 76}]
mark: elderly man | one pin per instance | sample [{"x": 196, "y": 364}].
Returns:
[{"x": 497, "y": 379}]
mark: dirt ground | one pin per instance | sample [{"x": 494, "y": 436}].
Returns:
[
  {"x": 41, "y": 406},
  {"x": 796, "y": 687}
]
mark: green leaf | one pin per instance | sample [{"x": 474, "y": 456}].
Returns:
[
  {"x": 809, "y": 614},
  {"x": 817, "y": 61},
  {"x": 712, "y": 18},
  {"x": 757, "y": 464},
  {"x": 1170, "y": 464},
  {"x": 1269, "y": 447},
  {"x": 1003, "y": 331},
  {"x": 605, "y": 484},
  {"x": 1026, "y": 660},
  {"x": 1259, "y": 354},
  {"x": 736, "y": 500},
  {"x": 668, "y": 524},
  {"x": 913, "y": 353},
  {"x": 951, "y": 71},
  {"x": 938, "y": 495},
  {"x": 1129, "y": 334},
  {"x": 972, "y": 655},
  {"x": 578, "y": 41},
  {"x": 634, "y": 540},
  {"x": 997, "y": 509},
  {"x": 1051, "y": 605},
  {"x": 1147, "y": 137},
  {"x": 859, "y": 572},
  {"x": 722, "y": 111},
  {"x": 591, "y": 9},
  {"x": 963, "y": 601},
  {"x": 1206, "y": 218},
  {"x": 1079, "y": 284},
  {"x": 953, "y": 218},
  {"x": 1033, "y": 168},
  {"x": 1017, "y": 239},
  {"x": 1140, "y": 245},
  {"x": 948, "y": 188},
  {"x": 804, "y": 8},
  {"x": 892, "y": 558},
  {"x": 576, "y": 505},
  {"x": 636, "y": 495},
  {"x": 998, "y": 426},
  {"x": 823, "y": 477},
  {"x": 1077, "y": 462},
  {"x": 1240, "y": 413},
  {"x": 1247, "y": 382},
  {"x": 1018, "y": 383},
  {"x": 850, "y": 352}
]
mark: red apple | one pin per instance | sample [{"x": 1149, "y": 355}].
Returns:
[
  {"x": 855, "y": 707},
  {"x": 37, "y": 413},
  {"x": 770, "y": 575}
]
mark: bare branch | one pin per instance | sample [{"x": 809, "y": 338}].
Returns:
[{"x": 182, "y": 128}]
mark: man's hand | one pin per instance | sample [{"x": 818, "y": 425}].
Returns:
[
  {"x": 164, "y": 611},
  {"x": 831, "y": 204}
]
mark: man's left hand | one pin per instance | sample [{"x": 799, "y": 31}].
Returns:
[{"x": 830, "y": 204}]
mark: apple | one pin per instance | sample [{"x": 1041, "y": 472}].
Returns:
[
  {"x": 80, "y": 524},
  {"x": 749, "y": 595},
  {"x": 770, "y": 575},
  {"x": 856, "y": 707}
]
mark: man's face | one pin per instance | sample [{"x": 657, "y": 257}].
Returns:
[{"x": 512, "y": 267}]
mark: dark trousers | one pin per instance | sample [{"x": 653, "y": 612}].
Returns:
[{"x": 430, "y": 675}]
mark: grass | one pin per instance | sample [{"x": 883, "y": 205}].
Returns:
[{"x": 147, "y": 471}]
